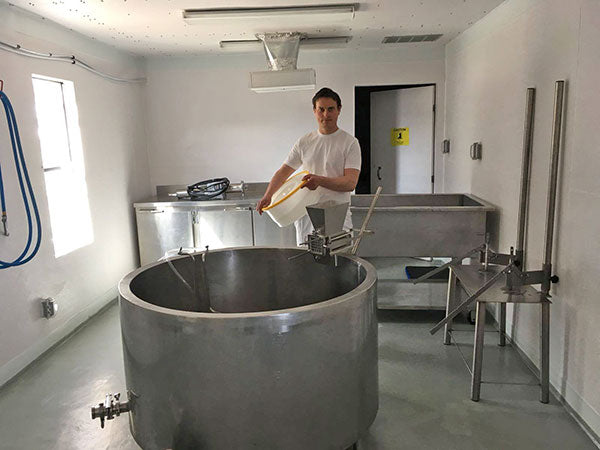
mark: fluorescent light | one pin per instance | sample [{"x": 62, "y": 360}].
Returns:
[
  {"x": 325, "y": 42},
  {"x": 342, "y": 11},
  {"x": 308, "y": 43},
  {"x": 247, "y": 44}
]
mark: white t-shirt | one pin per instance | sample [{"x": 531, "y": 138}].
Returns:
[{"x": 326, "y": 155}]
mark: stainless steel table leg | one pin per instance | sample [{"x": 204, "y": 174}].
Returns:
[
  {"x": 450, "y": 301},
  {"x": 545, "y": 353},
  {"x": 502, "y": 325},
  {"x": 478, "y": 351}
]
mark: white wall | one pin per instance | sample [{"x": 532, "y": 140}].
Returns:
[
  {"x": 532, "y": 43},
  {"x": 113, "y": 137},
  {"x": 204, "y": 121}
]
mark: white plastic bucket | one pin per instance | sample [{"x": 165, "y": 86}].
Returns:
[{"x": 289, "y": 202}]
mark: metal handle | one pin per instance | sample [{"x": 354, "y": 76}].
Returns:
[
  {"x": 379, "y": 173},
  {"x": 151, "y": 210}
]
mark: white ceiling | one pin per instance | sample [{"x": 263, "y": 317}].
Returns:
[{"x": 156, "y": 27}]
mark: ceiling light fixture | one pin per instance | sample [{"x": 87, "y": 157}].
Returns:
[
  {"x": 331, "y": 12},
  {"x": 322, "y": 42}
]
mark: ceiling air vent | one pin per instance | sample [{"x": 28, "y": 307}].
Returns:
[{"x": 411, "y": 38}]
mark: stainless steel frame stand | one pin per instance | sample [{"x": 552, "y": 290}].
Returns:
[
  {"x": 485, "y": 284},
  {"x": 471, "y": 279}
]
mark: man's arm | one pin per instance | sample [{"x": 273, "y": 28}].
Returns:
[
  {"x": 345, "y": 183},
  {"x": 276, "y": 182}
]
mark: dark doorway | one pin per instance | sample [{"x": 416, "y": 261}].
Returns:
[{"x": 362, "y": 127}]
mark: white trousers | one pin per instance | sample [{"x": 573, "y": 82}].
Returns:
[{"x": 304, "y": 227}]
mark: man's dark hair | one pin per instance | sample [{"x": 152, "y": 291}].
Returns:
[{"x": 327, "y": 93}]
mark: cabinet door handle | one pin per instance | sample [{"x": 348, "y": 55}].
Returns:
[
  {"x": 151, "y": 210},
  {"x": 379, "y": 173}
]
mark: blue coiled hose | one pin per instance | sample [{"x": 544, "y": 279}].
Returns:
[{"x": 29, "y": 202}]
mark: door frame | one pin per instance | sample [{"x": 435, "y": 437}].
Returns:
[{"x": 362, "y": 129}]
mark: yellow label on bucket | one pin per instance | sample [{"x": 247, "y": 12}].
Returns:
[{"x": 399, "y": 136}]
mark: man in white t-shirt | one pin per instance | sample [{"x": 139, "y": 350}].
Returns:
[{"x": 329, "y": 154}]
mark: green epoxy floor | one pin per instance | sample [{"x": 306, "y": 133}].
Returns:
[{"x": 424, "y": 394}]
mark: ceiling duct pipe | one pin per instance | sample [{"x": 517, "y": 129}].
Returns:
[{"x": 281, "y": 50}]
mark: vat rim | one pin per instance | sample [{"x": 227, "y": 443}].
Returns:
[{"x": 126, "y": 294}]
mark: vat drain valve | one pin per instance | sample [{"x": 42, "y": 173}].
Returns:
[{"x": 111, "y": 408}]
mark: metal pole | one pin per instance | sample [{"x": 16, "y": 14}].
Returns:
[
  {"x": 545, "y": 352},
  {"x": 502, "y": 325},
  {"x": 552, "y": 183},
  {"x": 450, "y": 301},
  {"x": 525, "y": 171},
  {"x": 366, "y": 221},
  {"x": 478, "y": 351}
]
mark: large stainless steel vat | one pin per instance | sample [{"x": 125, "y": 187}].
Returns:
[
  {"x": 422, "y": 224},
  {"x": 288, "y": 362}
]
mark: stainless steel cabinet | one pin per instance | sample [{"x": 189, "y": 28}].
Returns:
[
  {"x": 161, "y": 229},
  {"x": 222, "y": 227},
  {"x": 267, "y": 233},
  {"x": 167, "y": 227}
]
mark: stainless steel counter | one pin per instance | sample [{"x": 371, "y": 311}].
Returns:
[
  {"x": 165, "y": 223},
  {"x": 252, "y": 194}
]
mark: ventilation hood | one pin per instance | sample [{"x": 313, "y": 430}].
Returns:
[{"x": 281, "y": 50}]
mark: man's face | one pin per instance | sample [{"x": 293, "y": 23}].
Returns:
[{"x": 327, "y": 112}]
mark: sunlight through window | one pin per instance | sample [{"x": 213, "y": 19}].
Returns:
[{"x": 62, "y": 160}]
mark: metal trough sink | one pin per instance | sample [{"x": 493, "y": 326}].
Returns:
[{"x": 422, "y": 225}]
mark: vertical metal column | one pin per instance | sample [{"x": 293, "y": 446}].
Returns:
[
  {"x": 450, "y": 302},
  {"x": 552, "y": 183},
  {"x": 545, "y": 353},
  {"x": 547, "y": 265},
  {"x": 523, "y": 199},
  {"x": 502, "y": 325},
  {"x": 525, "y": 175},
  {"x": 478, "y": 351}
]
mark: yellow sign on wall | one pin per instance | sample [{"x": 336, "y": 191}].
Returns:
[{"x": 399, "y": 136}]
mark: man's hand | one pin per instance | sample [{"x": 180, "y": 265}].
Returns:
[
  {"x": 263, "y": 203},
  {"x": 345, "y": 183},
  {"x": 312, "y": 181},
  {"x": 276, "y": 182}
]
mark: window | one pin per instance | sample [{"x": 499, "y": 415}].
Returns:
[{"x": 62, "y": 161}]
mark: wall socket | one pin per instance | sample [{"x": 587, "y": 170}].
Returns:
[{"x": 49, "y": 307}]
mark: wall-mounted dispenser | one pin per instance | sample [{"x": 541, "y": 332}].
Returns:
[
  {"x": 49, "y": 307},
  {"x": 476, "y": 150},
  {"x": 446, "y": 146}
]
